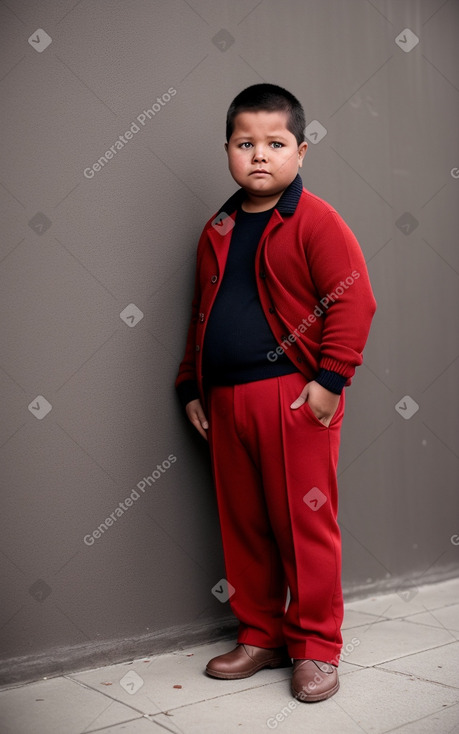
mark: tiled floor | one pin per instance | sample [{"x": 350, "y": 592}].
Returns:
[{"x": 399, "y": 673}]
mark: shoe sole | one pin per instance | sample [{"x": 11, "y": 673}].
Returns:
[
  {"x": 311, "y": 698},
  {"x": 236, "y": 676}
]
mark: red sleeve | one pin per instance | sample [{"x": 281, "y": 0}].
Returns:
[
  {"x": 341, "y": 277},
  {"x": 186, "y": 381}
]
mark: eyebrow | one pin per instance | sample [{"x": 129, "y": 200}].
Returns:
[{"x": 275, "y": 136}]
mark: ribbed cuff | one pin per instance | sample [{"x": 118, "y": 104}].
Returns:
[
  {"x": 331, "y": 381},
  {"x": 187, "y": 390}
]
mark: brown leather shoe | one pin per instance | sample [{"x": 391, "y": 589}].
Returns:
[
  {"x": 245, "y": 660},
  {"x": 313, "y": 680}
]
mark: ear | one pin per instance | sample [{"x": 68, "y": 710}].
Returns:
[
  {"x": 226, "y": 147},
  {"x": 301, "y": 153}
]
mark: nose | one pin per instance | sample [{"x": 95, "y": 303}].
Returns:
[{"x": 259, "y": 154}]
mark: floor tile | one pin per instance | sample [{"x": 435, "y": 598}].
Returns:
[
  {"x": 56, "y": 706},
  {"x": 445, "y": 721},
  {"x": 184, "y": 669},
  {"x": 447, "y": 617},
  {"x": 354, "y": 618},
  {"x": 440, "y": 665},
  {"x": 443, "y": 594},
  {"x": 380, "y": 701},
  {"x": 159, "y": 724},
  {"x": 382, "y": 641},
  {"x": 255, "y": 711},
  {"x": 178, "y": 679}
]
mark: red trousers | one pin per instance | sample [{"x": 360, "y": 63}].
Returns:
[{"x": 274, "y": 470}]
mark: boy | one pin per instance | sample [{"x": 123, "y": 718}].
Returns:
[{"x": 281, "y": 313}]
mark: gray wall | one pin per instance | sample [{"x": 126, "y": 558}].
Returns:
[{"x": 78, "y": 251}]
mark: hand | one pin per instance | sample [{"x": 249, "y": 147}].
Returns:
[
  {"x": 196, "y": 415},
  {"x": 322, "y": 402}
]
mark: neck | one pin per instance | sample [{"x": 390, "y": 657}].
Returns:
[{"x": 259, "y": 204}]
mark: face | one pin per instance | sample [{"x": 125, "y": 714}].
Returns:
[{"x": 263, "y": 155}]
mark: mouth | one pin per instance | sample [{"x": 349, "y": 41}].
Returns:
[{"x": 260, "y": 171}]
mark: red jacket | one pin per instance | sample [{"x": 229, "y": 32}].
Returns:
[{"x": 312, "y": 282}]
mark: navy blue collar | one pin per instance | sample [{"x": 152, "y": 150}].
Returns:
[{"x": 286, "y": 205}]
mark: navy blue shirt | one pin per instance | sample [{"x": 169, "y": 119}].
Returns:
[{"x": 238, "y": 337}]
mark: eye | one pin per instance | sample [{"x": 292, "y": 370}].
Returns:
[
  {"x": 243, "y": 145},
  {"x": 276, "y": 144}
]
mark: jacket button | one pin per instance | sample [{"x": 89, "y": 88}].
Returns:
[
  {"x": 214, "y": 279},
  {"x": 198, "y": 347},
  {"x": 201, "y": 317},
  {"x": 262, "y": 274},
  {"x": 299, "y": 359},
  {"x": 272, "y": 310}
]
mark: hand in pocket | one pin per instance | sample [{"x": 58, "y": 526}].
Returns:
[{"x": 322, "y": 402}]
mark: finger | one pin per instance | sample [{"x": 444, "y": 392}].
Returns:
[
  {"x": 197, "y": 424},
  {"x": 203, "y": 433},
  {"x": 203, "y": 420},
  {"x": 197, "y": 419},
  {"x": 301, "y": 399}
]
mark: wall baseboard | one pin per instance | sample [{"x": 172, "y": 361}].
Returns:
[
  {"x": 399, "y": 584},
  {"x": 67, "y": 660}
]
